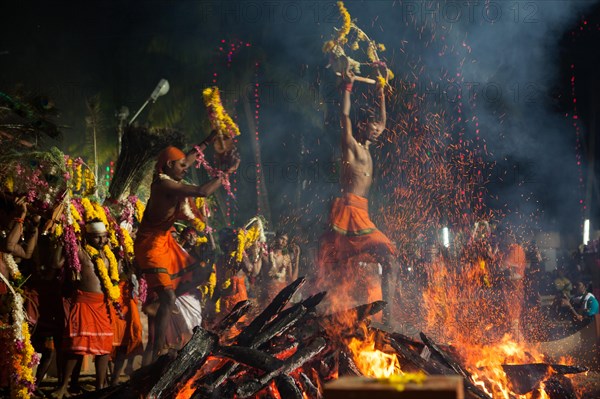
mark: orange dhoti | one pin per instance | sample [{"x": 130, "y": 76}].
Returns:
[
  {"x": 353, "y": 236},
  {"x": 162, "y": 260},
  {"x": 352, "y": 233},
  {"x": 238, "y": 294},
  {"x": 89, "y": 329},
  {"x": 127, "y": 331}
]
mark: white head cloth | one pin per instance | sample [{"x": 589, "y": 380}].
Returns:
[{"x": 95, "y": 228}]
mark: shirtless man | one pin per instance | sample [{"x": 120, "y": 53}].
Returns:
[
  {"x": 89, "y": 328},
  {"x": 162, "y": 260},
  {"x": 352, "y": 232},
  {"x": 282, "y": 267}
]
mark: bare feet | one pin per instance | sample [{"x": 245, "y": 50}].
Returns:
[{"x": 60, "y": 393}]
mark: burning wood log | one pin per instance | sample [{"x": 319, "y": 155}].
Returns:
[
  {"x": 239, "y": 310},
  {"x": 454, "y": 365},
  {"x": 276, "y": 305},
  {"x": 524, "y": 378},
  {"x": 309, "y": 387},
  {"x": 347, "y": 367},
  {"x": 302, "y": 356},
  {"x": 287, "y": 387},
  {"x": 351, "y": 317},
  {"x": 428, "y": 366},
  {"x": 216, "y": 379},
  {"x": 189, "y": 359},
  {"x": 264, "y": 327}
]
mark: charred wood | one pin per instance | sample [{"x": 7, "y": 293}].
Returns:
[
  {"x": 189, "y": 359},
  {"x": 276, "y": 305},
  {"x": 287, "y": 387},
  {"x": 278, "y": 326},
  {"x": 470, "y": 387},
  {"x": 302, "y": 356},
  {"x": 524, "y": 378},
  {"x": 312, "y": 390},
  {"x": 239, "y": 310},
  {"x": 428, "y": 366},
  {"x": 347, "y": 365}
]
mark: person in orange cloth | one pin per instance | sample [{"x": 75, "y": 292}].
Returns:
[
  {"x": 127, "y": 331},
  {"x": 352, "y": 232},
  {"x": 231, "y": 280},
  {"x": 514, "y": 263},
  {"x": 89, "y": 322},
  {"x": 163, "y": 261}
]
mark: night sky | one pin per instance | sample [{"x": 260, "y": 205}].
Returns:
[{"x": 515, "y": 57}]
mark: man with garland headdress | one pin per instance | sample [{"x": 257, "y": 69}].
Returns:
[
  {"x": 89, "y": 323},
  {"x": 162, "y": 260}
]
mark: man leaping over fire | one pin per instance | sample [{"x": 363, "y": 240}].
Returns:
[{"x": 352, "y": 232}]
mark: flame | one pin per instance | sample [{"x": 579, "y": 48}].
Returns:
[
  {"x": 464, "y": 308},
  {"x": 373, "y": 362}
]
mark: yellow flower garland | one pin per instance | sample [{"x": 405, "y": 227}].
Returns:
[
  {"x": 212, "y": 101},
  {"x": 76, "y": 218},
  {"x": 111, "y": 289},
  {"x": 58, "y": 230},
  {"x": 245, "y": 239},
  {"x": 139, "y": 210},
  {"x": 127, "y": 243},
  {"x": 22, "y": 362},
  {"x": 9, "y": 184},
  {"x": 345, "y": 29},
  {"x": 90, "y": 212},
  {"x": 78, "y": 178},
  {"x": 90, "y": 181}
]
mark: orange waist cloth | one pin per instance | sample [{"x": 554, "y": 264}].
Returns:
[
  {"x": 350, "y": 216},
  {"x": 353, "y": 233},
  {"x": 238, "y": 293},
  {"x": 163, "y": 261},
  {"x": 128, "y": 331},
  {"x": 89, "y": 329}
]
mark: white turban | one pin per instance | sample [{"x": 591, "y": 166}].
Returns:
[{"x": 95, "y": 228}]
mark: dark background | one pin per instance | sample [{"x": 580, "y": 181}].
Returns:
[{"x": 516, "y": 58}]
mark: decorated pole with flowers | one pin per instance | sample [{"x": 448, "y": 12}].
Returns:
[
  {"x": 226, "y": 130},
  {"x": 341, "y": 62}
]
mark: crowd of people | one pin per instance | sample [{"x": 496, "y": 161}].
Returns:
[{"x": 84, "y": 282}]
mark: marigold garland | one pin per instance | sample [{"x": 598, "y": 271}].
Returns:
[
  {"x": 78, "y": 177},
  {"x": 58, "y": 230},
  {"x": 245, "y": 239},
  {"x": 335, "y": 48},
  {"x": 9, "y": 184},
  {"x": 77, "y": 220},
  {"x": 22, "y": 353},
  {"x": 127, "y": 243},
  {"x": 347, "y": 23},
  {"x": 89, "y": 211},
  {"x": 90, "y": 181},
  {"x": 219, "y": 118},
  {"x": 108, "y": 277},
  {"x": 139, "y": 210}
]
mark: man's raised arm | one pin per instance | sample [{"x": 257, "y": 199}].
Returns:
[
  {"x": 347, "y": 138},
  {"x": 382, "y": 112},
  {"x": 190, "y": 157}
]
